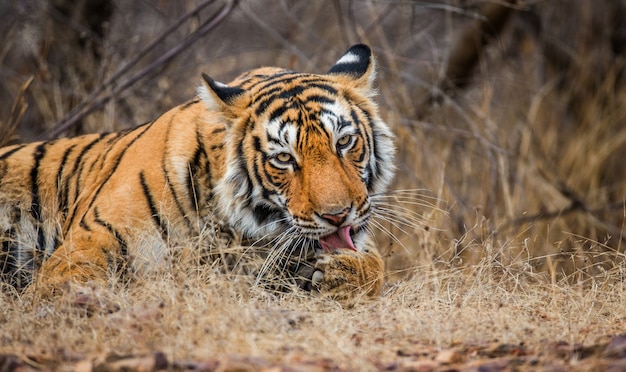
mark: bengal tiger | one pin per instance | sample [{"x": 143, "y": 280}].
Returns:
[{"x": 288, "y": 158}]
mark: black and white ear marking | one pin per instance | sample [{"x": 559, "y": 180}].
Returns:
[
  {"x": 215, "y": 94},
  {"x": 357, "y": 63}
]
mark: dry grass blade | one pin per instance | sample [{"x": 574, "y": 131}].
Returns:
[
  {"x": 18, "y": 109},
  {"x": 189, "y": 315}
]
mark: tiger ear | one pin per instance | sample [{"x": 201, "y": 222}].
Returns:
[
  {"x": 358, "y": 65},
  {"x": 221, "y": 97}
]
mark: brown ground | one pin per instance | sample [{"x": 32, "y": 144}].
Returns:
[{"x": 492, "y": 318}]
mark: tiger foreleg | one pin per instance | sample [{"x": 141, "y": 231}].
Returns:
[
  {"x": 346, "y": 275},
  {"x": 84, "y": 260}
]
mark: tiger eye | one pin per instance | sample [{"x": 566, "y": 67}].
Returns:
[
  {"x": 284, "y": 157},
  {"x": 344, "y": 140}
]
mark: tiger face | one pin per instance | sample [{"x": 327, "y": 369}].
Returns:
[{"x": 305, "y": 152}]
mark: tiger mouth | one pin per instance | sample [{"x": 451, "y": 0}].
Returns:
[{"x": 340, "y": 239}]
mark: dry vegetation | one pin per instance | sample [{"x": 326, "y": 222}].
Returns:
[{"x": 521, "y": 262}]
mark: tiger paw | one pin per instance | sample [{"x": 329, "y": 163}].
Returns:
[
  {"x": 60, "y": 278},
  {"x": 348, "y": 276}
]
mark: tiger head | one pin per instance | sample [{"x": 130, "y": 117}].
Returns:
[{"x": 304, "y": 152}]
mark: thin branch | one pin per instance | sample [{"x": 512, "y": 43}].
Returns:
[{"x": 90, "y": 104}]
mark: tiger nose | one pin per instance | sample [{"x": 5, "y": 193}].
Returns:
[{"x": 336, "y": 218}]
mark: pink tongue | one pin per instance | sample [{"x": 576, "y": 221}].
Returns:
[{"x": 339, "y": 239}]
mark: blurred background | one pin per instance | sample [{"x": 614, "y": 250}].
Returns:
[{"x": 510, "y": 115}]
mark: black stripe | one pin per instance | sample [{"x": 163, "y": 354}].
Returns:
[
  {"x": 170, "y": 184},
  {"x": 63, "y": 187},
  {"x": 156, "y": 217},
  {"x": 202, "y": 156},
  {"x": 35, "y": 210},
  {"x": 250, "y": 125},
  {"x": 268, "y": 99},
  {"x": 282, "y": 128},
  {"x": 199, "y": 157},
  {"x": 179, "y": 205},
  {"x": 186, "y": 105},
  {"x": 272, "y": 86},
  {"x": 278, "y": 112},
  {"x": 264, "y": 212},
  {"x": 113, "y": 169},
  {"x": 369, "y": 142},
  {"x": 40, "y": 152},
  {"x": 269, "y": 80},
  {"x": 319, "y": 99},
  {"x": 257, "y": 172},
  {"x": 218, "y": 130},
  {"x": 96, "y": 161},
  {"x": 107, "y": 225},
  {"x": 76, "y": 172},
  {"x": 257, "y": 144},
  {"x": 243, "y": 172},
  {"x": 116, "y": 136},
  {"x": 342, "y": 123},
  {"x": 323, "y": 86},
  {"x": 11, "y": 152},
  {"x": 270, "y": 96},
  {"x": 303, "y": 79},
  {"x": 78, "y": 165},
  {"x": 84, "y": 224},
  {"x": 83, "y": 152},
  {"x": 362, "y": 155}
]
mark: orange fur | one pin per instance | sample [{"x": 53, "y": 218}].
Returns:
[{"x": 282, "y": 158}]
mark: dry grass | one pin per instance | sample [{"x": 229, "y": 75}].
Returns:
[
  {"x": 525, "y": 171},
  {"x": 194, "y": 315}
]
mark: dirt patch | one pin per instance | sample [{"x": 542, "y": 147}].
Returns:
[{"x": 554, "y": 356}]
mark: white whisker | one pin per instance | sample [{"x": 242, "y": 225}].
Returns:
[
  {"x": 415, "y": 197},
  {"x": 284, "y": 241},
  {"x": 408, "y": 220},
  {"x": 286, "y": 258},
  {"x": 398, "y": 209},
  {"x": 402, "y": 202},
  {"x": 262, "y": 238},
  {"x": 396, "y": 224},
  {"x": 410, "y": 194}
]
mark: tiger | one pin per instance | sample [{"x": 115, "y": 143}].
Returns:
[{"x": 287, "y": 158}]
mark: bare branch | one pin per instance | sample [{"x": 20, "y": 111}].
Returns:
[{"x": 91, "y": 103}]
